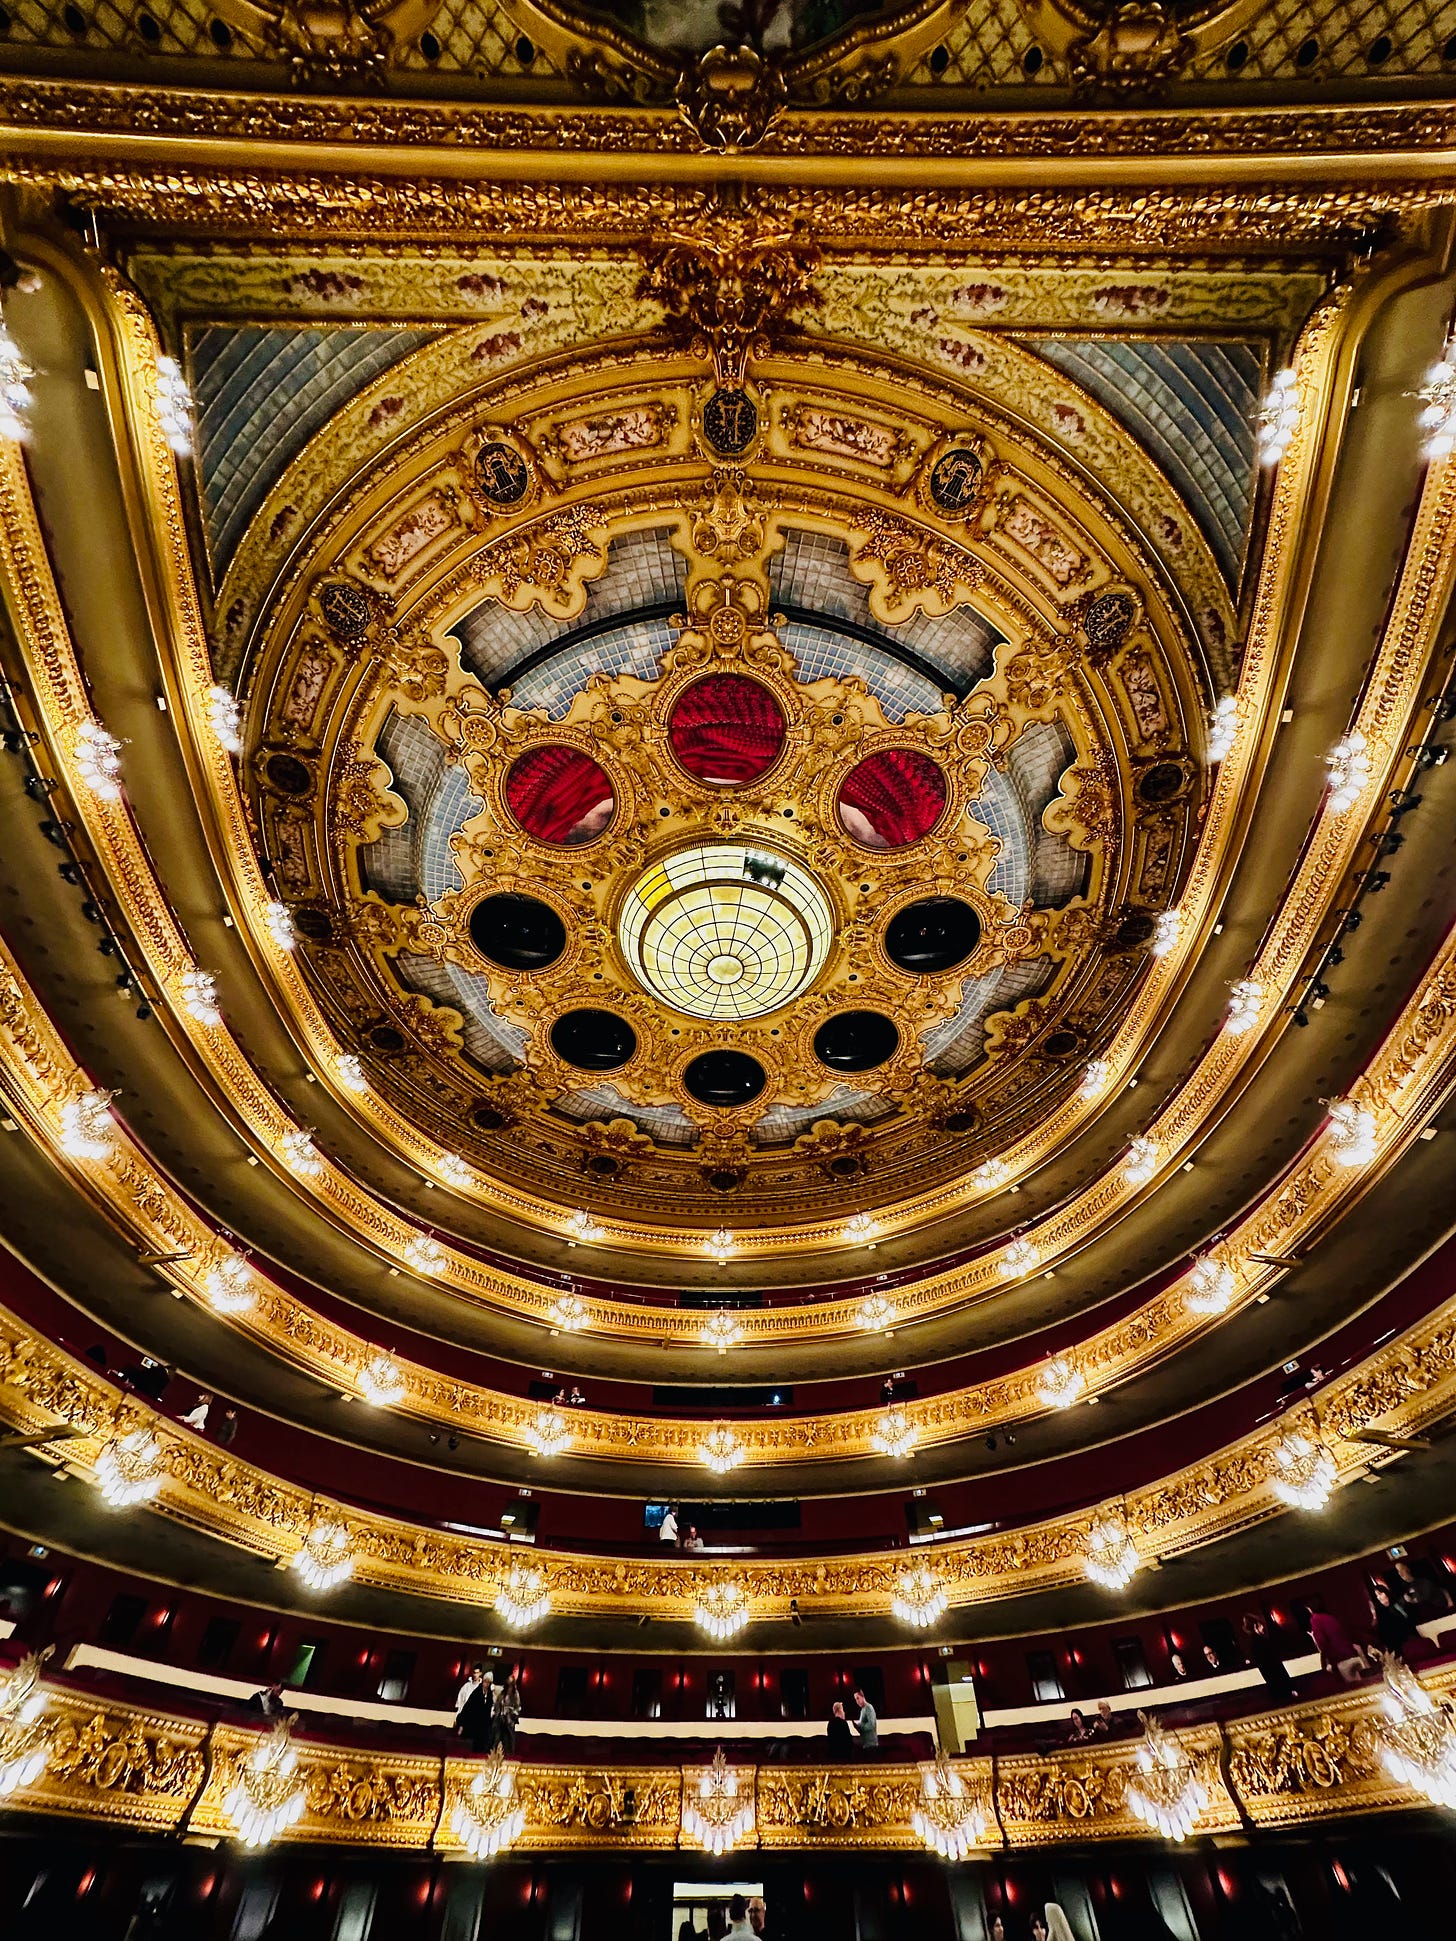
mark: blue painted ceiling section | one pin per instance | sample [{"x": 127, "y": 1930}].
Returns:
[
  {"x": 1193, "y": 407},
  {"x": 261, "y": 395}
]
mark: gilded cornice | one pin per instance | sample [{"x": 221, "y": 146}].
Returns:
[{"x": 133, "y": 1766}]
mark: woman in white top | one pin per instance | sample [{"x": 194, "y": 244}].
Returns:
[{"x": 668, "y": 1531}]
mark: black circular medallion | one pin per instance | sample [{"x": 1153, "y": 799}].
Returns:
[
  {"x": 1108, "y": 621},
  {"x": 730, "y": 422},
  {"x": 724, "y": 1078},
  {"x": 935, "y": 934},
  {"x": 346, "y": 608},
  {"x": 289, "y": 774},
  {"x": 1161, "y": 783},
  {"x": 856, "y": 1041},
  {"x": 519, "y": 933},
  {"x": 502, "y": 474},
  {"x": 594, "y": 1041},
  {"x": 955, "y": 480}
]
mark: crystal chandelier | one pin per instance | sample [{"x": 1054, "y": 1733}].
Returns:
[
  {"x": 1019, "y": 1258},
  {"x": 302, "y": 1154},
  {"x": 1095, "y": 1075},
  {"x": 425, "y": 1255},
  {"x": 722, "y": 1610},
  {"x": 567, "y": 1313},
  {"x": 1349, "y": 765},
  {"x": 454, "y": 1171},
  {"x": 16, "y": 397},
  {"x": 279, "y": 921},
  {"x": 327, "y": 1555},
  {"x": 199, "y": 996},
  {"x": 1438, "y": 396},
  {"x": 875, "y": 1313},
  {"x": 1417, "y": 1737},
  {"x": 1164, "y": 1791},
  {"x": 894, "y": 1434},
  {"x": 225, "y": 719},
  {"x": 174, "y": 406},
  {"x": 547, "y": 1432},
  {"x": 87, "y": 1125},
  {"x": 1060, "y": 1383},
  {"x": 1278, "y": 418},
  {"x": 1210, "y": 1287},
  {"x": 1165, "y": 932},
  {"x": 487, "y": 1815},
  {"x": 129, "y": 1469},
  {"x": 721, "y": 1449},
  {"x": 229, "y": 1285},
  {"x": 717, "y": 1810},
  {"x": 919, "y": 1597},
  {"x": 990, "y": 1174},
  {"x": 860, "y": 1229},
  {"x": 382, "y": 1382},
  {"x": 721, "y": 1245},
  {"x": 267, "y": 1796},
  {"x": 1112, "y": 1559},
  {"x": 350, "y": 1073},
  {"x": 523, "y": 1598},
  {"x": 1246, "y": 1000},
  {"x": 950, "y": 1818},
  {"x": 98, "y": 760},
  {"x": 1223, "y": 728},
  {"x": 722, "y": 1330},
  {"x": 24, "y": 1744},
  {"x": 582, "y": 1226},
  {"x": 1304, "y": 1471},
  {"x": 1142, "y": 1160},
  {"x": 1352, "y": 1133}
]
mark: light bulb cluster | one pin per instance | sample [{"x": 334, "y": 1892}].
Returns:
[
  {"x": 229, "y": 1285},
  {"x": 1223, "y": 728},
  {"x": 874, "y": 1313},
  {"x": 350, "y": 1073},
  {"x": 267, "y": 1796},
  {"x": 129, "y": 1469},
  {"x": 860, "y": 1229},
  {"x": 524, "y": 1598},
  {"x": 1417, "y": 1737},
  {"x": 381, "y": 1381},
  {"x": 24, "y": 1743},
  {"x": 721, "y": 1245},
  {"x": 16, "y": 397},
  {"x": 301, "y": 1154},
  {"x": 1060, "y": 1383},
  {"x": 721, "y": 1450},
  {"x": 199, "y": 996},
  {"x": 1142, "y": 1160},
  {"x": 278, "y": 921},
  {"x": 424, "y": 1255},
  {"x": 1019, "y": 1258},
  {"x": 1211, "y": 1285},
  {"x": 581, "y": 1226},
  {"x": 174, "y": 406},
  {"x": 919, "y": 1597},
  {"x": 1437, "y": 417},
  {"x": 98, "y": 760},
  {"x": 225, "y": 719},
  {"x": 326, "y": 1557},
  {"x": 722, "y": 1611},
  {"x": 717, "y": 1809},
  {"x": 1278, "y": 418},
  {"x": 486, "y": 1816},
  {"x": 1164, "y": 1790},
  {"x": 1166, "y": 930},
  {"x": 454, "y": 1171},
  {"x": 1246, "y": 1001},
  {"x": 722, "y": 1330},
  {"x": 894, "y": 1434},
  {"x": 990, "y": 1175},
  {"x": 1350, "y": 769},
  {"x": 949, "y": 1817},
  {"x": 1304, "y": 1474},
  {"x": 1096, "y": 1076},
  {"x": 87, "y": 1127},
  {"x": 547, "y": 1432},
  {"x": 1352, "y": 1133},
  {"x": 1112, "y": 1559},
  {"x": 568, "y": 1313}
]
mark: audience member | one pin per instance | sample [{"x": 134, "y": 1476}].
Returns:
[
  {"x": 667, "y": 1532},
  {"x": 1078, "y": 1730},
  {"x": 471, "y": 1680},
  {"x": 1418, "y": 1590},
  {"x": 867, "y": 1725},
  {"x": 838, "y": 1733},
  {"x": 196, "y": 1416},
  {"x": 717, "y": 1921},
  {"x": 1337, "y": 1649},
  {"x": 508, "y": 1715},
  {"x": 1102, "y": 1724},
  {"x": 738, "y": 1927},
  {"x": 227, "y": 1429},
  {"x": 1394, "y": 1625},
  {"x": 1211, "y": 1659},
  {"x": 692, "y": 1541},
  {"x": 1261, "y": 1648},
  {"x": 758, "y": 1917},
  {"x": 477, "y": 1715},
  {"x": 269, "y": 1701},
  {"x": 1177, "y": 1666}
]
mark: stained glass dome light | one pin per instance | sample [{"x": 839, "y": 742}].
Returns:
[{"x": 726, "y": 930}]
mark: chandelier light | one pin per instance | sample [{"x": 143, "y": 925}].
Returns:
[
  {"x": 1278, "y": 418},
  {"x": 16, "y": 396},
  {"x": 225, "y": 718},
  {"x": 1352, "y": 1133},
  {"x": 1417, "y": 1737},
  {"x": 990, "y": 1175},
  {"x": 302, "y": 1154},
  {"x": 1019, "y": 1258},
  {"x": 1060, "y": 1383},
  {"x": 721, "y": 1449},
  {"x": 199, "y": 996},
  {"x": 87, "y": 1127},
  {"x": 1210, "y": 1287},
  {"x": 950, "y": 1818},
  {"x": 568, "y": 1313},
  {"x": 98, "y": 760},
  {"x": 24, "y": 1743},
  {"x": 717, "y": 1809},
  {"x": 1438, "y": 398},
  {"x": 582, "y": 1226},
  {"x": 327, "y": 1555},
  {"x": 547, "y": 1432},
  {"x": 1304, "y": 1471},
  {"x": 1095, "y": 1077},
  {"x": 350, "y": 1073},
  {"x": 267, "y": 1796},
  {"x": 382, "y": 1381},
  {"x": 1350, "y": 769},
  {"x": 523, "y": 1598},
  {"x": 721, "y": 1245},
  {"x": 454, "y": 1171},
  {"x": 174, "y": 406},
  {"x": 722, "y": 1611},
  {"x": 1142, "y": 1160},
  {"x": 1164, "y": 1790},
  {"x": 1112, "y": 1559},
  {"x": 894, "y": 1434},
  {"x": 487, "y": 1816},
  {"x": 722, "y": 1330},
  {"x": 1246, "y": 1000},
  {"x": 919, "y": 1597},
  {"x": 229, "y": 1285},
  {"x": 129, "y": 1469},
  {"x": 860, "y": 1229},
  {"x": 875, "y": 1313},
  {"x": 425, "y": 1255},
  {"x": 279, "y": 920},
  {"x": 1223, "y": 728},
  {"x": 1166, "y": 932}
]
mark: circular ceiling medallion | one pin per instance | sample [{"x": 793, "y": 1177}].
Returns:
[
  {"x": 502, "y": 474},
  {"x": 726, "y": 729},
  {"x": 856, "y": 1041},
  {"x": 935, "y": 934},
  {"x": 891, "y": 799},
  {"x": 730, "y": 420},
  {"x": 518, "y": 933},
  {"x": 726, "y": 930},
  {"x": 724, "y": 1078},
  {"x": 558, "y": 794},
  {"x": 956, "y": 480},
  {"x": 594, "y": 1041}
]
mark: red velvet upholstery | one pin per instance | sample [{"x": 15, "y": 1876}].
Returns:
[
  {"x": 726, "y": 728},
  {"x": 559, "y": 794},
  {"x": 895, "y": 798}
]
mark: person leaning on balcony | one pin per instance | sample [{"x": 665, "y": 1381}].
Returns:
[{"x": 1337, "y": 1649}]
